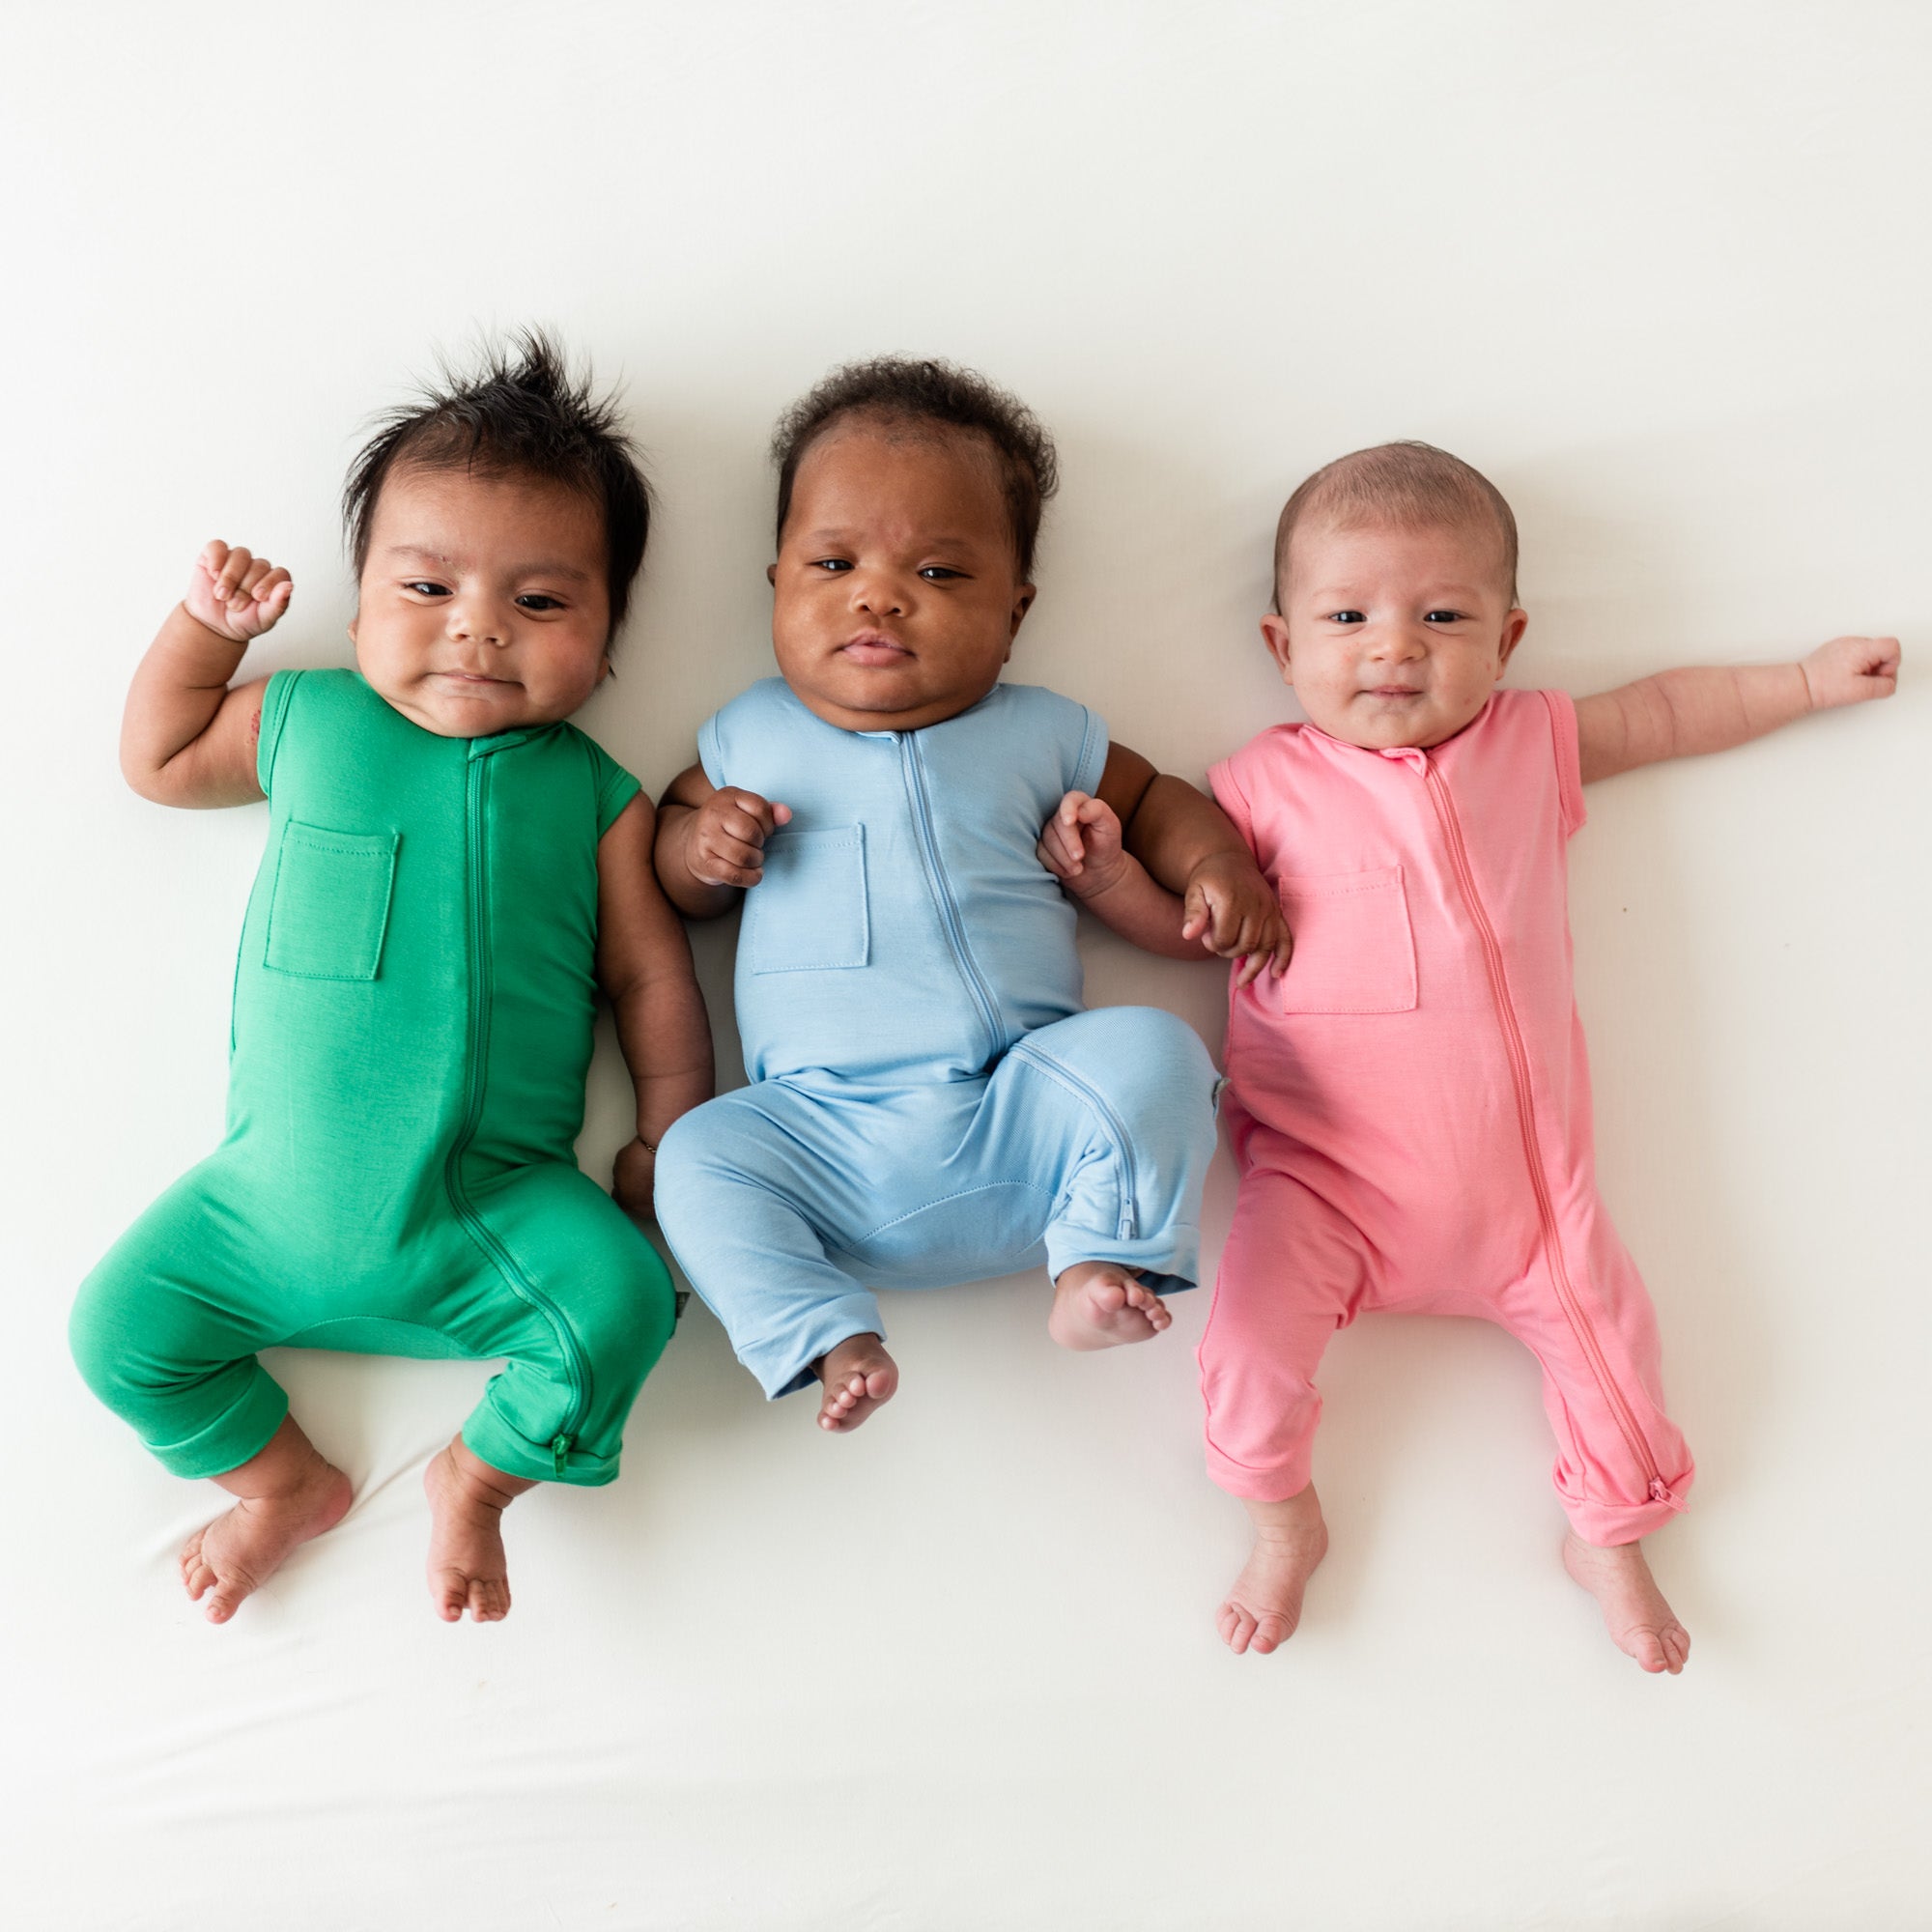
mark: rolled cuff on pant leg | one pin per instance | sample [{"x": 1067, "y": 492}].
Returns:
[
  {"x": 1608, "y": 1523},
  {"x": 782, "y": 1363},
  {"x": 1259, "y": 1485},
  {"x": 242, "y": 1430},
  {"x": 493, "y": 1440},
  {"x": 1168, "y": 1262}
]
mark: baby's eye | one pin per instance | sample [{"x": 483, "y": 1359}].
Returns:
[
  {"x": 938, "y": 573},
  {"x": 540, "y": 599},
  {"x": 424, "y": 587},
  {"x": 830, "y": 564},
  {"x": 1346, "y": 617},
  {"x": 1443, "y": 617}
]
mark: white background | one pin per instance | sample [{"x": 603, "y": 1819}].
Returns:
[{"x": 1661, "y": 271}]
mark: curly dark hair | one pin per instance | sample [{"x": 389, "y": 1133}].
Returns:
[
  {"x": 905, "y": 389},
  {"x": 521, "y": 411}
]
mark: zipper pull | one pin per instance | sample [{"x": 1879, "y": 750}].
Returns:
[
  {"x": 559, "y": 1454},
  {"x": 1660, "y": 1492}
]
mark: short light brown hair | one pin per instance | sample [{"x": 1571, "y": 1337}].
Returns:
[{"x": 1406, "y": 486}]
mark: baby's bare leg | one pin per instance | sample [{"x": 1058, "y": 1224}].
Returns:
[
  {"x": 1265, "y": 1605},
  {"x": 467, "y": 1570},
  {"x": 859, "y": 1376},
  {"x": 285, "y": 1493},
  {"x": 1101, "y": 1304},
  {"x": 1640, "y": 1622}
]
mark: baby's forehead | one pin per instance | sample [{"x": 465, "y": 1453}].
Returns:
[
  {"x": 474, "y": 516},
  {"x": 1381, "y": 546},
  {"x": 863, "y": 464}
]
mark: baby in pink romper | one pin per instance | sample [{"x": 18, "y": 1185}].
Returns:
[{"x": 1410, "y": 1102}]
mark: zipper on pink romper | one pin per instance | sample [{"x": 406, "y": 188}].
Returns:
[{"x": 1525, "y": 1108}]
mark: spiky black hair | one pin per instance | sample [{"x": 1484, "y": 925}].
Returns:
[{"x": 521, "y": 411}]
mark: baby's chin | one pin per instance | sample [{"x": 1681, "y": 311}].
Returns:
[
  {"x": 1380, "y": 725},
  {"x": 446, "y": 711}
]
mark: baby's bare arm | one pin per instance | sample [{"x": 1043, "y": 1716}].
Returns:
[
  {"x": 1160, "y": 864},
  {"x": 643, "y": 965},
  {"x": 187, "y": 738},
  {"x": 1682, "y": 714},
  {"x": 711, "y": 842}
]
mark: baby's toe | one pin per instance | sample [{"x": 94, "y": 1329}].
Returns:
[
  {"x": 1236, "y": 1627},
  {"x": 224, "y": 1599},
  {"x": 489, "y": 1598},
  {"x": 1676, "y": 1641},
  {"x": 1648, "y": 1649}
]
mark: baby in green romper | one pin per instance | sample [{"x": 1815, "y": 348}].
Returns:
[{"x": 452, "y": 872}]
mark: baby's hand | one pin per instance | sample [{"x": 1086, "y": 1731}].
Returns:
[
  {"x": 1081, "y": 846},
  {"x": 235, "y": 594},
  {"x": 1849, "y": 669},
  {"x": 1235, "y": 915},
  {"x": 634, "y": 1180},
  {"x": 727, "y": 841}
]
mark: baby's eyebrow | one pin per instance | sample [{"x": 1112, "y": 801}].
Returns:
[
  {"x": 832, "y": 539},
  {"x": 542, "y": 567}
]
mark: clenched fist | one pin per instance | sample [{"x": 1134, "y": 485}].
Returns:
[
  {"x": 235, "y": 593},
  {"x": 726, "y": 846}
]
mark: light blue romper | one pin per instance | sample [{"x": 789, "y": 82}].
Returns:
[{"x": 928, "y": 1103}]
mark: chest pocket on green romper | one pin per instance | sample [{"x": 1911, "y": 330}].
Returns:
[
  {"x": 807, "y": 913},
  {"x": 330, "y": 905}
]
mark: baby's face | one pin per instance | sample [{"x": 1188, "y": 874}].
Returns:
[
  {"x": 484, "y": 605},
  {"x": 1393, "y": 637},
  {"x": 896, "y": 596}
]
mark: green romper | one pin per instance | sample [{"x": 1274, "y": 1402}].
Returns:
[{"x": 413, "y": 1004}]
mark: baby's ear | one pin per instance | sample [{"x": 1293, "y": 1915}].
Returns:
[
  {"x": 1275, "y": 634},
  {"x": 1022, "y": 603},
  {"x": 1513, "y": 626}
]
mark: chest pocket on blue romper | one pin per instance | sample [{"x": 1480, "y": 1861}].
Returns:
[
  {"x": 808, "y": 914},
  {"x": 330, "y": 905}
]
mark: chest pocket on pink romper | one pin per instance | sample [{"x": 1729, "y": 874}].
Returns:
[{"x": 1354, "y": 949}]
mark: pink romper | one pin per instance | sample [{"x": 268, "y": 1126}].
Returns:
[{"x": 1410, "y": 1104}]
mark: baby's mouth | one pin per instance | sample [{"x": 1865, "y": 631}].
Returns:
[{"x": 875, "y": 647}]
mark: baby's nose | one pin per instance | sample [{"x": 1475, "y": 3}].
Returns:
[
  {"x": 476, "y": 622},
  {"x": 877, "y": 598}
]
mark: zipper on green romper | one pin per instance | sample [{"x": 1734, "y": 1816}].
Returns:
[{"x": 576, "y": 1372}]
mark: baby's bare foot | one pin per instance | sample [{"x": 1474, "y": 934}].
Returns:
[
  {"x": 238, "y": 1552},
  {"x": 1101, "y": 1304},
  {"x": 1640, "y": 1622},
  {"x": 859, "y": 1376},
  {"x": 467, "y": 1570},
  {"x": 1265, "y": 1605}
]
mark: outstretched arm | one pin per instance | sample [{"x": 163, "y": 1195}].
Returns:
[
  {"x": 643, "y": 965},
  {"x": 1160, "y": 864},
  {"x": 1682, "y": 714},
  {"x": 187, "y": 737}
]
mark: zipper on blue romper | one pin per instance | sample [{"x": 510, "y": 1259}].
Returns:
[
  {"x": 480, "y": 987},
  {"x": 949, "y": 910}
]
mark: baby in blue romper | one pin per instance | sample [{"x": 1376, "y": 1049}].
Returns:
[{"x": 929, "y": 1104}]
